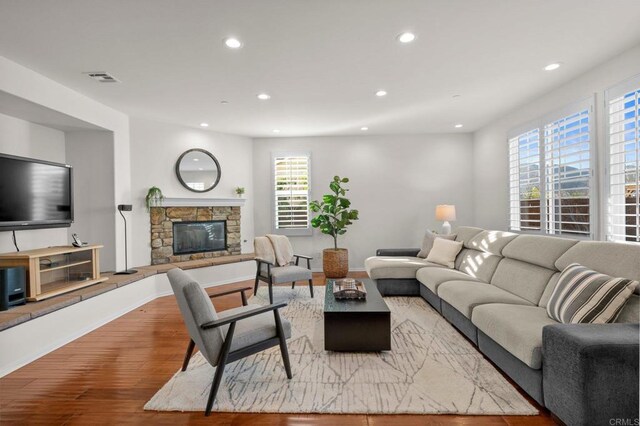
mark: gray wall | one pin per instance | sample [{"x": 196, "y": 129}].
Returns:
[
  {"x": 396, "y": 182},
  {"x": 91, "y": 155}
]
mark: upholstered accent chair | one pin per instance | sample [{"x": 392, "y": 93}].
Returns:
[
  {"x": 230, "y": 335},
  {"x": 276, "y": 265}
]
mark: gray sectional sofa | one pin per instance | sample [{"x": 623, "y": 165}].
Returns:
[{"x": 497, "y": 296}]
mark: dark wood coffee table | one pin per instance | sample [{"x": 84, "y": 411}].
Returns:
[{"x": 356, "y": 325}]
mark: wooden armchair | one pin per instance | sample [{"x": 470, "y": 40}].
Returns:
[{"x": 275, "y": 264}]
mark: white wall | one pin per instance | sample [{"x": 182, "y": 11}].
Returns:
[
  {"x": 25, "y": 139},
  {"x": 27, "y": 84},
  {"x": 396, "y": 182},
  {"x": 91, "y": 155},
  {"x": 155, "y": 148},
  {"x": 490, "y": 154}
]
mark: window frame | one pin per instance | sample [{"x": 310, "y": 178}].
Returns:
[
  {"x": 290, "y": 232},
  {"x": 629, "y": 85},
  {"x": 540, "y": 124}
]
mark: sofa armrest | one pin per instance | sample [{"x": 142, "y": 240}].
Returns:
[
  {"x": 411, "y": 252},
  {"x": 590, "y": 372}
]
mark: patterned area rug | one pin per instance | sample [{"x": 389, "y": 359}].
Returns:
[{"x": 431, "y": 369}]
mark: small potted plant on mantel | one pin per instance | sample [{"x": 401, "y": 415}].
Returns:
[
  {"x": 154, "y": 198},
  {"x": 239, "y": 191},
  {"x": 333, "y": 218}
]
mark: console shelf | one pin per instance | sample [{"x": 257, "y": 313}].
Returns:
[{"x": 57, "y": 270}]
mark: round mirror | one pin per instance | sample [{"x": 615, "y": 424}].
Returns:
[{"x": 198, "y": 170}]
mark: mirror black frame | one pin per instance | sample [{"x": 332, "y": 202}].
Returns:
[{"x": 215, "y": 160}]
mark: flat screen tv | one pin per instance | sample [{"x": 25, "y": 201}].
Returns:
[{"x": 34, "y": 194}]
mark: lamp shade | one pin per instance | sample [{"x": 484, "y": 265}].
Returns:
[
  {"x": 445, "y": 212},
  {"x": 125, "y": 207}
]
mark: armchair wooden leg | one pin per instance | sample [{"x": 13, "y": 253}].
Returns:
[
  {"x": 283, "y": 344},
  {"x": 311, "y": 287},
  {"x": 222, "y": 361},
  {"x": 293, "y": 284},
  {"x": 187, "y": 356},
  {"x": 270, "y": 291},
  {"x": 255, "y": 287}
]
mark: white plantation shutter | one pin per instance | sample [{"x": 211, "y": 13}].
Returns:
[
  {"x": 623, "y": 210},
  {"x": 525, "y": 181},
  {"x": 291, "y": 192},
  {"x": 568, "y": 177}
]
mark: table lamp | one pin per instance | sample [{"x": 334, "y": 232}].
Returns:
[{"x": 446, "y": 212}]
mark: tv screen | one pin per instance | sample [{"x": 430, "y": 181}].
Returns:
[{"x": 34, "y": 194}]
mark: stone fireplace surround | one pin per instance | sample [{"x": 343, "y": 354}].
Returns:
[{"x": 162, "y": 219}]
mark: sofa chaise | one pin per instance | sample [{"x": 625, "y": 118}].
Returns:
[{"x": 497, "y": 296}]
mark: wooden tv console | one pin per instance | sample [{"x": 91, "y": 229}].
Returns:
[{"x": 56, "y": 270}]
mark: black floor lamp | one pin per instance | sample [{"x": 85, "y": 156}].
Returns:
[{"x": 125, "y": 208}]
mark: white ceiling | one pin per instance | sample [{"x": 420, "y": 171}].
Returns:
[{"x": 321, "y": 61}]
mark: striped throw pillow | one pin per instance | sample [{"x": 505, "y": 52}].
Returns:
[{"x": 585, "y": 296}]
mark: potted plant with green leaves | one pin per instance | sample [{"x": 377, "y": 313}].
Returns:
[
  {"x": 334, "y": 215},
  {"x": 239, "y": 191},
  {"x": 154, "y": 198}
]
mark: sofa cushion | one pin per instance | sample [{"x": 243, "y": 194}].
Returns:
[
  {"x": 517, "y": 328},
  {"x": 444, "y": 252},
  {"x": 631, "y": 311},
  {"x": 433, "y": 277},
  {"x": 586, "y": 296},
  {"x": 466, "y": 295},
  {"x": 521, "y": 278},
  {"x": 551, "y": 285},
  {"x": 615, "y": 259},
  {"x": 466, "y": 233},
  {"x": 395, "y": 266},
  {"x": 427, "y": 242},
  {"x": 538, "y": 249},
  {"x": 478, "y": 264},
  {"x": 491, "y": 241}
]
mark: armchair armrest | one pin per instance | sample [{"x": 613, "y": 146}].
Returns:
[
  {"x": 303, "y": 256},
  {"x": 235, "y": 318},
  {"x": 411, "y": 252},
  {"x": 266, "y": 262},
  {"x": 237, "y": 290},
  {"x": 590, "y": 372}
]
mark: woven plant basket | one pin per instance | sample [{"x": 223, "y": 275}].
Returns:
[{"x": 335, "y": 263}]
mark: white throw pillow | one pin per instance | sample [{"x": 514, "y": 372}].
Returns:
[
  {"x": 427, "y": 242},
  {"x": 444, "y": 252}
]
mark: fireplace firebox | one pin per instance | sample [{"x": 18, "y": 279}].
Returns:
[{"x": 199, "y": 237}]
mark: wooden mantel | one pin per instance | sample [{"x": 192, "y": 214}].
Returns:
[{"x": 203, "y": 202}]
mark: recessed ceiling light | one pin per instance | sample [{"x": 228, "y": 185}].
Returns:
[
  {"x": 264, "y": 96},
  {"x": 232, "y": 43},
  {"x": 406, "y": 37},
  {"x": 457, "y": 126},
  {"x": 552, "y": 67},
  {"x": 204, "y": 124},
  {"x": 364, "y": 129},
  {"x": 276, "y": 130},
  {"x": 381, "y": 93}
]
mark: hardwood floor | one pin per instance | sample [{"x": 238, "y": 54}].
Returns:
[{"x": 106, "y": 377}]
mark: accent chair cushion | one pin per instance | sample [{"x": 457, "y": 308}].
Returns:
[
  {"x": 586, "y": 296},
  {"x": 254, "y": 329},
  {"x": 282, "y": 249},
  {"x": 290, "y": 273},
  {"x": 466, "y": 295},
  {"x": 427, "y": 242},
  {"x": 403, "y": 267},
  {"x": 444, "y": 252},
  {"x": 517, "y": 328}
]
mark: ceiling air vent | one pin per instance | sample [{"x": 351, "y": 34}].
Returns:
[{"x": 102, "y": 77}]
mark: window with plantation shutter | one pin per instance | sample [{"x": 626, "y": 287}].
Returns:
[
  {"x": 524, "y": 179},
  {"x": 623, "y": 210},
  {"x": 551, "y": 174},
  {"x": 568, "y": 176},
  {"x": 291, "y": 194}
]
